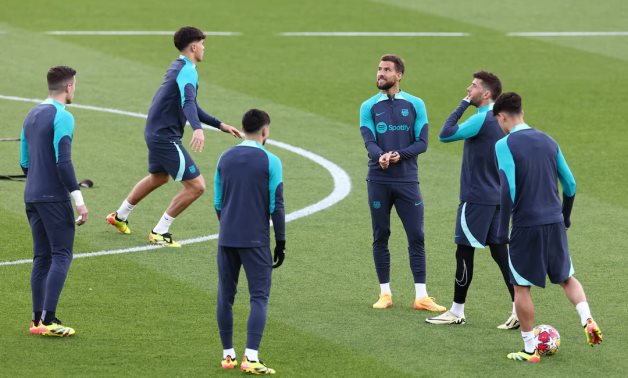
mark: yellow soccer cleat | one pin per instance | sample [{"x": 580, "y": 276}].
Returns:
[
  {"x": 525, "y": 356},
  {"x": 255, "y": 367},
  {"x": 428, "y": 304},
  {"x": 593, "y": 332},
  {"x": 56, "y": 329},
  {"x": 163, "y": 240},
  {"x": 120, "y": 225},
  {"x": 384, "y": 301},
  {"x": 36, "y": 329},
  {"x": 229, "y": 363}
]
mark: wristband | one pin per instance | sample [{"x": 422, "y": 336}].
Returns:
[{"x": 78, "y": 198}]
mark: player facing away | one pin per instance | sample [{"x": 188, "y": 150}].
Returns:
[
  {"x": 478, "y": 211},
  {"x": 46, "y": 159},
  {"x": 394, "y": 126},
  {"x": 248, "y": 191},
  {"x": 173, "y": 105},
  {"x": 530, "y": 165}
]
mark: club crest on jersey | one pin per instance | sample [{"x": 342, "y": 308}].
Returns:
[
  {"x": 405, "y": 112},
  {"x": 376, "y": 204}
]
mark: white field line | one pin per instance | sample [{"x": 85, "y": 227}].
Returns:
[
  {"x": 342, "y": 186},
  {"x": 373, "y": 34},
  {"x": 569, "y": 34},
  {"x": 135, "y": 32}
]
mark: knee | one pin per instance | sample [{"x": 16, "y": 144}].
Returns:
[{"x": 197, "y": 188}]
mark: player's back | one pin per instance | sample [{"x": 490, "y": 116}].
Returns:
[
  {"x": 166, "y": 119},
  {"x": 42, "y": 130},
  {"x": 535, "y": 157},
  {"x": 246, "y": 174}
]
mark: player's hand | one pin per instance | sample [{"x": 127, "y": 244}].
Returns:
[
  {"x": 83, "y": 214},
  {"x": 467, "y": 99},
  {"x": 384, "y": 160},
  {"x": 198, "y": 140},
  {"x": 230, "y": 130},
  {"x": 280, "y": 253},
  {"x": 567, "y": 223},
  {"x": 394, "y": 157}
]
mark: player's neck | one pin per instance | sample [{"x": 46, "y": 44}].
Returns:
[
  {"x": 484, "y": 103},
  {"x": 61, "y": 97},
  {"x": 254, "y": 138},
  {"x": 190, "y": 55},
  {"x": 392, "y": 91}
]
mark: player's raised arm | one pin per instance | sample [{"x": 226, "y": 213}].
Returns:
[
  {"x": 451, "y": 131},
  {"x": 568, "y": 182}
]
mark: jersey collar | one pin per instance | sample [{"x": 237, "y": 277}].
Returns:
[
  {"x": 52, "y": 101},
  {"x": 398, "y": 96},
  {"x": 486, "y": 108},
  {"x": 187, "y": 60},
  {"x": 251, "y": 143},
  {"x": 519, "y": 127}
]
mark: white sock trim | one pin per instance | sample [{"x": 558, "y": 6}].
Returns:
[
  {"x": 457, "y": 309},
  {"x": 528, "y": 341},
  {"x": 228, "y": 352},
  {"x": 384, "y": 288},
  {"x": 421, "y": 290},
  {"x": 584, "y": 312},
  {"x": 251, "y": 354},
  {"x": 124, "y": 210},
  {"x": 164, "y": 224}
]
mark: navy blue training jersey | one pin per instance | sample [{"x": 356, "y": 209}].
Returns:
[
  {"x": 248, "y": 191},
  {"x": 46, "y": 153},
  {"x": 479, "y": 177},
  {"x": 394, "y": 124},
  {"x": 175, "y": 103},
  {"x": 530, "y": 165}
]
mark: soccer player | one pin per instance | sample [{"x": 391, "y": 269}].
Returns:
[
  {"x": 394, "y": 126},
  {"x": 478, "y": 211},
  {"x": 248, "y": 191},
  {"x": 530, "y": 165},
  {"x": 46, "y": 159},
  {"x": 173, "y": 105}
]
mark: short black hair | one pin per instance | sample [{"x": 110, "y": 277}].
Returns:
[
  {"x": 254, "y": 119},
  {"x": 508, "y": 102},
  {"x": 491, "y": 82},
  {"x": 59, "y": 76},
  {"x": 186, "y": 35},
  {"x": 399, "y": 64}
]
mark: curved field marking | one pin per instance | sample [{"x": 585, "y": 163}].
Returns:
[{"x": 342, "y": 185}]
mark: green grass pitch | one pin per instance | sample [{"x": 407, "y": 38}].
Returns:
[{"x": 152, "y": 313}]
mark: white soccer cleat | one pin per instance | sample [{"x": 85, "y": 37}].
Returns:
[
  {"x": 511, "y": 323},
  {"x": 447, "y": 318}
]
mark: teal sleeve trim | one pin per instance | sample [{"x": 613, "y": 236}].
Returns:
[
  {"x": 421, "y": 116},
  {"x": 63, "y": 126},
  {"x": 468, "y": 129},
  {"x": 366, "y": 118},
  {"x": 506, "y": 163},
  {"x": 567, "y": 180},
  {"x": 275, "y": 178},
  {"x": 218, "y": 188},
  {"x": 187, "y": 75},
  {"x": 24, "y": 160}
]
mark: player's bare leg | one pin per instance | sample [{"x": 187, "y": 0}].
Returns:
[
  {"x": 525, "y": 312},
  {"x": 192, "y": 190},
  {"x": 575, "y": 294}
]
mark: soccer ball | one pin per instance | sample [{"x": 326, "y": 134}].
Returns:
[{"x": 547, "y": 339}]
